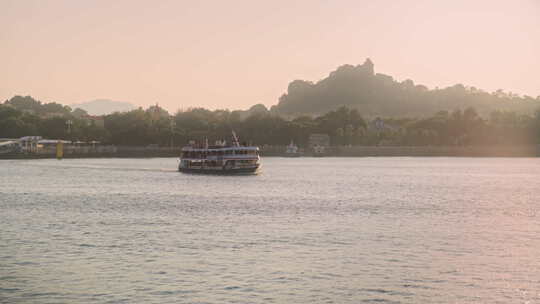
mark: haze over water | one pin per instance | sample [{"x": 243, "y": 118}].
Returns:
[{"x": 330, "y": 230}]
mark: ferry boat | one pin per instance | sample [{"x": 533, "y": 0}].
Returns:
[{"x": 220, "y": 158}]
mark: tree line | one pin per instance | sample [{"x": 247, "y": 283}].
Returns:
[{"x": 23, "y": 116}]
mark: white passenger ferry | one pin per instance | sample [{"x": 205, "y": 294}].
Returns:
[{"x": 220, "y": 158}]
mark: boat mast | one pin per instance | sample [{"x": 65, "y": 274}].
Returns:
[{"x": 236, "y": 143}]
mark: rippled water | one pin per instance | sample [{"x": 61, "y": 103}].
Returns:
[{"x": 307, "y": 230}]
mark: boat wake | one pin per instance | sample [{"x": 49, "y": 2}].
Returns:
[{"x": 102, "y": 167}]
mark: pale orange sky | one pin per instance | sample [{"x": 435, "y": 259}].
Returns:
[{"x": 233, "y": 54}]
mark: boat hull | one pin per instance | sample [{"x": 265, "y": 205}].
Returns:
[
  {"x": 292, "y": 155},
  {"x": 231, "y": 171}
]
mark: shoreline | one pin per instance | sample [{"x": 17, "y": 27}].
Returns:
[{"x": 355, "y": 151}]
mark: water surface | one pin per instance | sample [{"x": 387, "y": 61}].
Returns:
[{"x": 305, "y": 230}]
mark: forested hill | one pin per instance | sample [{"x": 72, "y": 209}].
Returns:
[{"x": 359, "y": 87}]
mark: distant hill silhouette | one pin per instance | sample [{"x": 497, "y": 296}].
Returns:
[
  {"x": 104, "y": 106},
  {"x": 359, "y": 87}
]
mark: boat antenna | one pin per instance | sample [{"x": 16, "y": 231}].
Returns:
[{"x": 236, "y": 143}]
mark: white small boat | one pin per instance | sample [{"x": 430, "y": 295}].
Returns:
[
  {"x": 292, "y": 150},
  {"x": 319, "y": 150}
]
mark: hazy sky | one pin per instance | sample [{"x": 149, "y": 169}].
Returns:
[{"x": 233, "y": 54}]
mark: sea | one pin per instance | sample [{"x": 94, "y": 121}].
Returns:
[{"x": 303, "y": 230}]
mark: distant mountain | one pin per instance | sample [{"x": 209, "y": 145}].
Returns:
[
  {"x": 104, "y": 106},
  {"x": 374, "y": 94}
]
